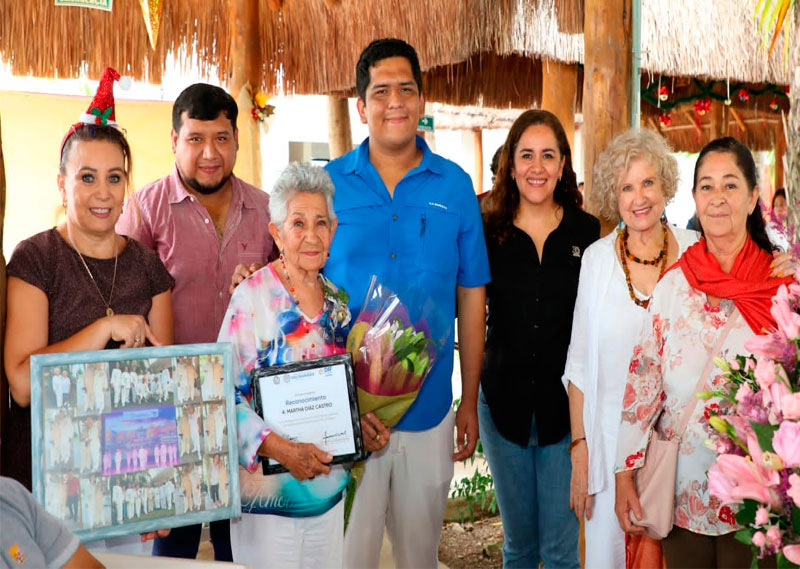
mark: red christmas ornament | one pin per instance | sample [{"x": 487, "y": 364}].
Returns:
[
  {"x": 774, "y": 104},
  {"x": 744, "y": 96},
  {"x": 663, "y": 93},
  {"x": 702, "y": 106},
  {"x": 665, "y": 119}
]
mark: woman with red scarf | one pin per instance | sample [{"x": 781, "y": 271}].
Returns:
[{"x": 722, "y": 284}]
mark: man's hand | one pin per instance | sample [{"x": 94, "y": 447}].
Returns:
[
  {"x": 374, "y": 433},
  {"x": 466, "y": 430},
  {"x": 241, "y": 272}
]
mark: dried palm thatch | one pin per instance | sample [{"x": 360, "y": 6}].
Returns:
[
  {"x": 569, "y": 14},
  {"x": 40, "y": 39},
  {"x": 715, "y": 39},
  {"x": 315, "y": 47}
]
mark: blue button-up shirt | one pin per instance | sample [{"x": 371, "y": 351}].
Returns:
[{"x": 428, "y": 237}]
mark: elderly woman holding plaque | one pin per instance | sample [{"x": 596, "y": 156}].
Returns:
[{"x": 286, "y": 312}]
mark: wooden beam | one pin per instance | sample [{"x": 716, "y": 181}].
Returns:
[
  {"x": 780, "y": 152},
  {"x": 245, "y": 61},
  {"x": 246, "y": 71},
  {"x": 478, "y": 133},
  {"x": 559, "y": 85},
  {"x": 692, "y": 119},
  {"x": 606, "y": 77},
  {"x": 340, "y": 137},
  {"x": 739, "y": 120}
]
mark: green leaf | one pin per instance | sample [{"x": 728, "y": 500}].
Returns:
[
  {"x": 744, "y": 536},
  {"x": 747, "y": 512},
  {"x": 764, "y": 434},
  {"x": 796, "y": 519},
  {"x": 784, "y": 563}
]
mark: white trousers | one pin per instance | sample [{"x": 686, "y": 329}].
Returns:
[
  {"x": 269, "y": 541},
  {"x": 605, "y": 540},
  {"x": 404, "y": 488}
]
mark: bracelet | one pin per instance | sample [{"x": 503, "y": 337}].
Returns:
[{"x": 574, "y": 443}]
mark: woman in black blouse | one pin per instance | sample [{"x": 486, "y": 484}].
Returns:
[{"x": 536, "y": 233}]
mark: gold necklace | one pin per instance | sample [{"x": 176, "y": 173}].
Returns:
[{"x": 109, "y": 310}]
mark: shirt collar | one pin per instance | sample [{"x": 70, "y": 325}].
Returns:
[
  {"x": 177, "y": 192},
  {"x": 358, "y": 160}
]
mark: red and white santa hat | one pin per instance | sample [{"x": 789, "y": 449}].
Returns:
[{"x": 101, "y": 109}]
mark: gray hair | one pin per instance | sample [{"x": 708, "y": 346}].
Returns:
[
  {"x": 299, "y": 177},
  {"x": 613, "y": 163}
]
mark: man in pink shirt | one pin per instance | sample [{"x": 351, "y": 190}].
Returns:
[{"x": 202, "y": 221}]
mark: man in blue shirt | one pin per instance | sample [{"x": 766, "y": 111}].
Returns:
[{"x": 412, "y": 218}]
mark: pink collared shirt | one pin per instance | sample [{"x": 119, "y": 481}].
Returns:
[{"x": 181, "y": 231}]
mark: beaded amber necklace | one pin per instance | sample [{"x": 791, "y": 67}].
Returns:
[{"x": 625, "y": 254}]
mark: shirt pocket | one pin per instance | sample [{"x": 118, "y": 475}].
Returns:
[
  {"x": 250, "y": 252},
  {"x": 439, "y": 235}
]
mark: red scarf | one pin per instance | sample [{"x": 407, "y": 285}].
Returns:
[{"x": 748, "y": 284}]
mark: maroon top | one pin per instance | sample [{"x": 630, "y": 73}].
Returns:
[{"x": 49, "y": 263}]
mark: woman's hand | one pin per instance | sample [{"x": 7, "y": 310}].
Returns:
[
  {"x": 375, "y": 433},
  {"x": 627, "y": 501},
  {"x": 303, "y": 460},
  {"x": 579, "y": 500},
  {"x": 132, "y": 330},
  {"x": 782, "y": 264},
  {"x": 241, "y": 272}
]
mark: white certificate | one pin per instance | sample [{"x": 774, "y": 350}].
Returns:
[{"x": 311, "y": 402}]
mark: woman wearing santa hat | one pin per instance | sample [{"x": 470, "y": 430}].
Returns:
[{"x": 80, "y": 285}]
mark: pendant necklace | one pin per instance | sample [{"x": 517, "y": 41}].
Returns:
[{"x": 109, "y": 310}]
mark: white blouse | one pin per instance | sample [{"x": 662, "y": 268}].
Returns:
[{"x": 605, "y": 327}]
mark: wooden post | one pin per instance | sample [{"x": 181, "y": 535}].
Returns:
[
  {"x": 780, "y": 152},
  {"x": 3, "y": 380},
  {"x": 559, "y": 84},
  {"x": 246, "y": 70},
  {"x": 606, "y": 77},
  {"x": 339, "y": 134},
  {"x": 478, "y": 133}
]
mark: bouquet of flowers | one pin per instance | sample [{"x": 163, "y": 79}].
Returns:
[
  {"x": 757, "y": 436},
  {"x": 391, "y": 355},
  {"x": 394, "y": 343}
]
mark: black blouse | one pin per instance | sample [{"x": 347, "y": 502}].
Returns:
[{"x": 530, "y": 323}]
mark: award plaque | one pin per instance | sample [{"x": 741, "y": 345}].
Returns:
[{"x": 311, "y": 401}]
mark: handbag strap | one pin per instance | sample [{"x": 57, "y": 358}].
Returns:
[{"x": 689, "y": 407}]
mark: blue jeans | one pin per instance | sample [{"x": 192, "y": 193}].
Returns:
[
  {"x": 532, "y": 487},
  {"x": 184, "y": 541}
]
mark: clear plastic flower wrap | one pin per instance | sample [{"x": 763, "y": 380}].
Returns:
[{"x": 394, "y": 343}]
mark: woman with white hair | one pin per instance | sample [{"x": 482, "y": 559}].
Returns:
[
  {"x": 634, "y": 179},
  {"x": 285, "y": 312}
]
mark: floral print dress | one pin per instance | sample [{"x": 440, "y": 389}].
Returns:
[
  {"x": 673, "y": 348},
  {"x": 267, "y": 328}
]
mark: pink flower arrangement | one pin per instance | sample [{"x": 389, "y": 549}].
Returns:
[{"x": 756, "y": 433}]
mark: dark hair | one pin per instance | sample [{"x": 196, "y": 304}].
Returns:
[
  {"x": 502, "y": 203},
  {"x": 780, "y": 192},
  {"x": 744, "y": 161},
  {"x": 382, "y": 49},
  {"x": 203, "y": 102},
  {"x": 496, "y": 160}
]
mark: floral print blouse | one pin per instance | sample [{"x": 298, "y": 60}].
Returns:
[
  {"x": 667, "y": 361},
  {"x": 267, "y": 328}
]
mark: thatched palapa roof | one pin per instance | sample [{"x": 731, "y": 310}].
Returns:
[
  {"x": 41, "y": 39},
  {"x": 310, "y": 46}
]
